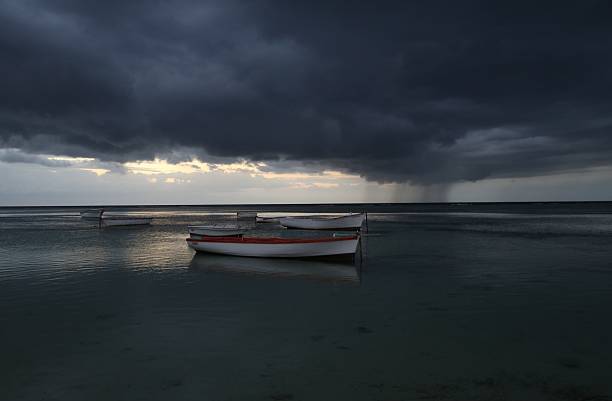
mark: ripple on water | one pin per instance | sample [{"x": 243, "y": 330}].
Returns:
[{"x": 516, "y": 304}]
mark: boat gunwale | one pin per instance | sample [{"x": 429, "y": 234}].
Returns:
[
  {"x": 215, "y": 228},
  {"x": 115, "y": 217},
  {"x": 270, "y": 240}
]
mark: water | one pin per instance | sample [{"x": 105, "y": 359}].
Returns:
[{"x": 466, "y": 302}]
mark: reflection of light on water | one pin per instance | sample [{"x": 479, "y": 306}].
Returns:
[
  {"x": 317, "y": 270},
  {"x": 154, "y": 249},
  {"x": 178, "y": 213}
]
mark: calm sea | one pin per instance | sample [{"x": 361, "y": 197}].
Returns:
[{"x": 451, "y": 302}]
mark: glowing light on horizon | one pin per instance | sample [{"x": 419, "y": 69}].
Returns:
[
  {"x": 97, "y": 171},
  {"x": 324, "y": 175},
  {"x": 71, "y": 159},
  {"x": 161, "y": 166},
  {"x": 320, "y": 185},
  {"x": 161, "y": 171},
  {"x": 299, "y": 179},
  {"x": 242, "y": 166}
]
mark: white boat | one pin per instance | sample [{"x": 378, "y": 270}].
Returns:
[
  {"x": 110, "y": 221},
  {"x": 267, "y": 247},
  {"x": 91, "y": 213},
  {"x": 215, "y": 231},
  {"x": 350, "y": 221},
  {"x": 246, "y": 214},
  {"x": 261, "y": 219}
]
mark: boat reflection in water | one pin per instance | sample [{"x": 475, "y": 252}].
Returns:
[{"x": 310, "y": 269}]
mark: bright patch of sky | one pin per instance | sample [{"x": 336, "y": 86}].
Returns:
[{"x": 82, "y": 181}]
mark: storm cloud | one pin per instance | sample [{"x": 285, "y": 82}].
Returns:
[{"x": 425, "y": 92}]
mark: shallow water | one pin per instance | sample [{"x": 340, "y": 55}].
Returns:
[{"x": 452, "y": 302}]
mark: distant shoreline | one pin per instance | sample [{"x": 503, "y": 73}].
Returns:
[
  {"x": 352, "y": 204},
  {"x": 528, "y": 208}
]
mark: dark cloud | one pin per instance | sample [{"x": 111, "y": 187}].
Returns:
[{"x": 427, "y": 92}]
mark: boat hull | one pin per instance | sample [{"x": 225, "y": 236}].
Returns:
[
  {"x": 268, "y": 220},
  {"x": 276, "y": 247},
  {"x": 354, "y": 221}
]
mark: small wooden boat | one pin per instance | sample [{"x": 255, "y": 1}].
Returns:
[
  {"x": 116, "y": 220},
  {"x": 350, "y": 221},
  {"x": 215, "y": 231},
  {"x": 267, "y": 247}
]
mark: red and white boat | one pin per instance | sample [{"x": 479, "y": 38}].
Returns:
[
  {"x": 349, "y": 221},
  {"x": 267, "y": 247}
]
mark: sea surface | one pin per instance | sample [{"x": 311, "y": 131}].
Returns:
[{"x": 449, "y": 302}]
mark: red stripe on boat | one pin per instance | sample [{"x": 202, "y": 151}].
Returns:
[{"x": 263, "y": 240}]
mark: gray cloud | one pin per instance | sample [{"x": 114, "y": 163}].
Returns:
[
  {"x": 11, "y": 155},
  {"x": 431, "y": 92},
  {"x": 16, "y": 156}
]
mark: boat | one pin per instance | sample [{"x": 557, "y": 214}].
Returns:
[
  {"x": 215, "y": 231},
  {"x": 117, "y": 220},
  {"x": 317, "y": 270},
  {"x": 109, "y": 220},
  {"x": 91, "y": 214},
  {"x": 349, "y": 221},
  {"x": 275, "y": 247},
  {"x": 246, "y": 214},
  {"x": 266, "y": 220}
]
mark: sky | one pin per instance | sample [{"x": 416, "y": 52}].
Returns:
[{"x": 189, "y": 102}]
